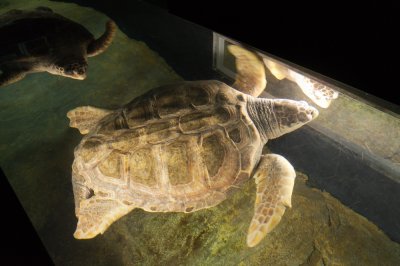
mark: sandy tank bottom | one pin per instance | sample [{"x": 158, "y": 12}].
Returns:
[{"x": 36, "y": 152}]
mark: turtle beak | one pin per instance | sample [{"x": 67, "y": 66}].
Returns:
[
  {"x": 79, "y": 76},
  {"x": 76, "y": 70},
  {"x": 78, "y": 73}
]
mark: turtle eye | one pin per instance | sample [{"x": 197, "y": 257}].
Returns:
[
  {"x": 81, "y": 71},
  {"x": 76, "y": 69},
  {"x": 68, "y": 72}
]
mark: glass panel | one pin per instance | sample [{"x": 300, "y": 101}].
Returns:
[{"x": 344, "y": 117}]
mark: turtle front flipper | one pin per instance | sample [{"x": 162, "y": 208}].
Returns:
[
  {"x": 101, "y": 44},
  {"x": 7, "y": 78},
  {"x": 275, "y": 180},
  {"x": 96, "y": 214},
  {"x": 85, "y": 118},
  {"x": 250, "y": 76}
]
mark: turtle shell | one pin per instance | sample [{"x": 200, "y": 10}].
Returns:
[
  {"x": 176, "y": 148},
  {"x": 37, "y": 33}
]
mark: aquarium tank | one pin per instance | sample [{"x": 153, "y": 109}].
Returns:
[{"x": 128, "y": 143}]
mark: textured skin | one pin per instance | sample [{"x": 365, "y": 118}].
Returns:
[
  {"x": 274, "y": 194},
  {"x": 41, "y": 40}
]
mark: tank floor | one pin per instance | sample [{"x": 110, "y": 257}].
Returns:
[{"x": 36, "y": 153}]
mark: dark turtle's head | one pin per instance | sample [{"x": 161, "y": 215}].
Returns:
[
  {"x": 69, "y": 65},
  {"x": 76, "y": 70}
]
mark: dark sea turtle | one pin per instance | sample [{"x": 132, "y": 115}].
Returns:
[
  {"x": 41, "y": 40},
  {"x": 185, "y": 147}
]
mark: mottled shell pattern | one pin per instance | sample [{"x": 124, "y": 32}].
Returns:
[{"x": 176, "y": 148}]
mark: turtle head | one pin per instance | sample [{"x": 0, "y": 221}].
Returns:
[
  {"x": 70, "y": 66},
  {"x": 73, "y": 68},
  {"x": 276, "y": 117},
  {"x": 290, "y": 115},
  {"x": 76, "y": 70}
]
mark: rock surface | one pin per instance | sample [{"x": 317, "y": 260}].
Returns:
[{"x": 36, "y": 153}]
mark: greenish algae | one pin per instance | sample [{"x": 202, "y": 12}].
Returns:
[
  {"x": 317, "y": 230},
  {"x": 36, "y": 152}
]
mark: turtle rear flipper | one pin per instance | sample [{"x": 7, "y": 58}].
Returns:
[
  {"x": 101, "y": 44},
  {"x": 96, "y": 214},
  {"x": 85, "y": 118},
  {"x": 250, "y": 77},
  {"x": 275, "y": 180}
]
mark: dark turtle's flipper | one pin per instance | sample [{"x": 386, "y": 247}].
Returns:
[
  {"x": 250, "y": 76},
  {"x": 275, "y": 179},
  {"x": 7, "y": 78},
  {"x": 101, "y": 44}
]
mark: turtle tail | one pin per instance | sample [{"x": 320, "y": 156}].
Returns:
[{"x": 101, "y": 44}]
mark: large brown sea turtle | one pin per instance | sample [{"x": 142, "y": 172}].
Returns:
[
  {"x": 185, "y": 147},
  {"x": 41, "y": 40}
]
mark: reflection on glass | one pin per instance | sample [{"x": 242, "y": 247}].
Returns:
[{"x": 319, "y": 93}]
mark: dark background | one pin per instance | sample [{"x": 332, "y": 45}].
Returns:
[{"x": 353, "y": 44}]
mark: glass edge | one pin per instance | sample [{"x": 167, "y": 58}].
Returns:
[{"x": 357, "y": 94}]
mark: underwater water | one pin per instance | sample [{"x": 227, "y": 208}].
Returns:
[{"x": 344, "y": 207}]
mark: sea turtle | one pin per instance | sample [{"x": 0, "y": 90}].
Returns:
[
  {"x": 319, "y": 93},
  {"x": 41, "y": 40},
  {"x": 185, "y": 147}
]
